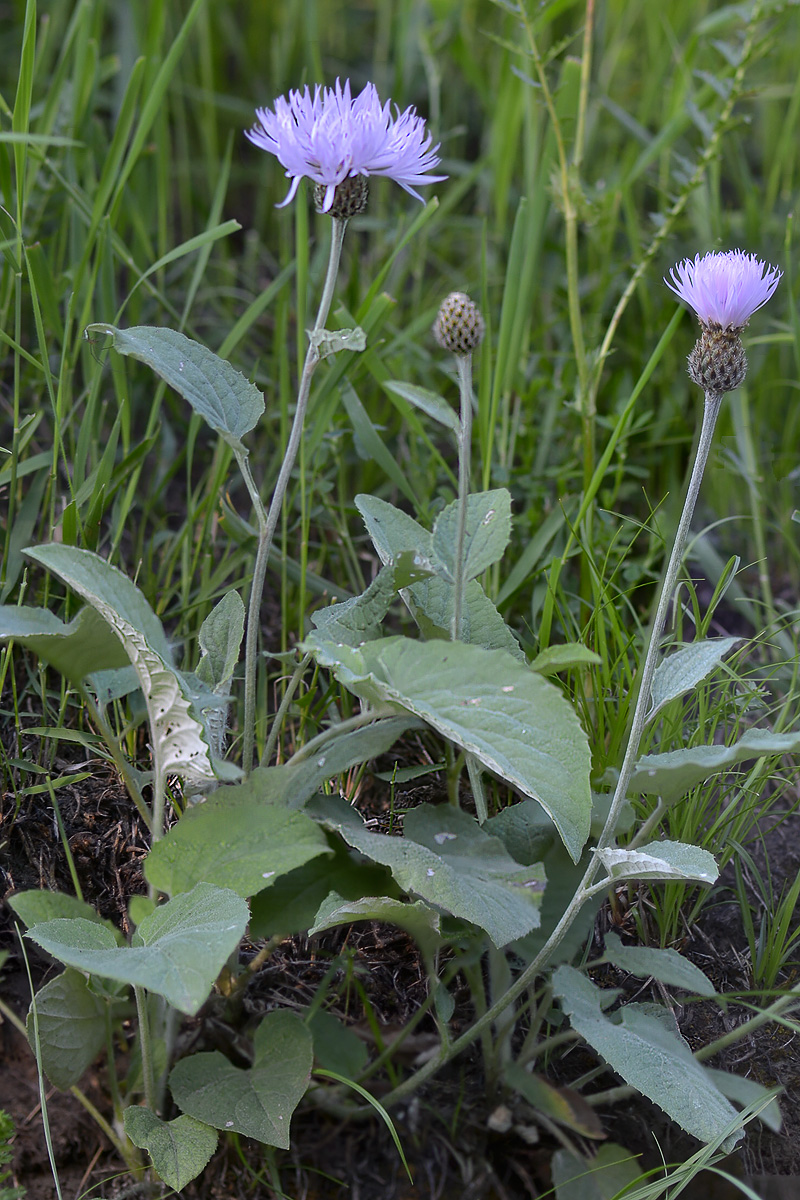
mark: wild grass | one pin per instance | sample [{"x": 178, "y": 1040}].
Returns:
[{"x": 589, "y": 147}]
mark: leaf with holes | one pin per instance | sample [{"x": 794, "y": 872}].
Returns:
[{"x": 177, "y": 736}]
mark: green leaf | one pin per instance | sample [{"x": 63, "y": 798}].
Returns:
[
  {"x": 602, "y": 1177},
  {"x": 85, "y": 645},
  {"x": 746, "y": 1092},
  {"x": 661, "y": 860},
  {"x": 292, "y": 903},
  {"x": 220, "y": 640},
  {"x": 648, "y": 1057},
  {"x": 672, "y": 774},
  {"x": 449, "y": 860},
  {"x": 486, "y": 535},
  {"x": 179, "y": 1149},
  {"x": 38, "y": 905},
  {"x": 369, "y": 443},
  {"x": 561, "y": 1104},
  {"x": 681, "y": 671},
  {"x": 337, "y": 1048},
  {"x": 331, "y": 341},
  {"x": 515, "y": 722},
  {"x": 257, "y": 1102},
  {"x": 430, "y": 601},
  {"x": 358, "y": 619},
  {"x": 418, "y": 919},
  {"x": 178, "y": 737},
  {"x": 428, "y": 402},
  {"x": 185, "y": 943},
  {"x": 71, "y": 1025},
  {"x": 235, "y": 839},
  {"x": 667, "y": 966},
  {"x": 563, "y": 657},
  {"x": 230, "y": 404}
]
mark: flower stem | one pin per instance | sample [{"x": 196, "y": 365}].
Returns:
[
  {"x": 524, "y": 981},
  {"x": 268, "y": 523},
  {"x": 464, "y": 364}
]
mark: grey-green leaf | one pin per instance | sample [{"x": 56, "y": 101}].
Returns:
[
  {"x": 179, "y": 1149},
  {"x": 446, "y": 858},
  {"x": 70, "y": 1021},
  {"x": 257, "y": 1102},
  {"x": 648, "y": 1057},
  {"x": 672, "y": 774},
  {"x": 184, "y": 945},
  {"x": 418, "y": 919},
  {"x": 514, "y": 721},
  {"x": 84, "y": 645},
  {"x": 486, "y": 534},
  {"x": 748, "y": 1091},
  {"x": 37, "y": 905},
  {"x": 230, "y": 404},
  {"x": 220, "y": 639},
  {"x": 236, "y": 839},
  {"x": 668, "y": 966},
  {"x": 661, "y": 860},
  {"x": 682, "y": 671},
  {"x": 428, "y": 402},
  {"x": 177, "y": 736}
]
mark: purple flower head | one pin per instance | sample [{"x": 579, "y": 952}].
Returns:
[
  {"x": 724, "y": 289},
  {"x": 329, "y": 137}
]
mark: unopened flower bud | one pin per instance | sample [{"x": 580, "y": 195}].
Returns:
[
  {"x": 349, "y": 199},
  {"x": 459, "y": 327},
  {"x": 718, "y": 362}
]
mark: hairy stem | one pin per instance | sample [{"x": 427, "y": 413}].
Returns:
[{"x": 268, "y": 522}]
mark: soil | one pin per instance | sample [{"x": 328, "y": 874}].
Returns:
[{"x": 451, "y": 1131}]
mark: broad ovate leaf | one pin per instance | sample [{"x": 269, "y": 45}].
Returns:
[
  {"x": 181, "y": 947},
  {"x": 230, "y": 404},
  {"x": 515, "y": 722},
  {"x": 257, "y": 1102},
  {"x": 446, "y": 858},
  {"x": 665, "y": 965},
  {"x": 486, "y": 534},
  {"x": 82, "y": 646},
  {"x": 671, "y": 774},
  {"x": 70, "y": 1025}
]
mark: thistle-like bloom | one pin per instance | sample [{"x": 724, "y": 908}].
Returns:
[
  {"x": 724, "y": 289},
  {"x": 330, "y": 137}
]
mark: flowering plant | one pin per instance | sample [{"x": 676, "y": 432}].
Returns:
[
  {"x": 330, "y": 137},
  {"x": 724, "y": 289}
]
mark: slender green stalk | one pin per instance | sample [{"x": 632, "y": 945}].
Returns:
[
  {"x": 524, "y": 981},
  {"x": 283, "y": 708},
  {"x": 464, "y": 364},
  {"x": 268, "y": 523},
  {"x": 148, "y": 1079}
]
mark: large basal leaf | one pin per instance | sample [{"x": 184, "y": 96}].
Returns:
[
  {"x": 661, "y": 860},
  {"x": 178, "y": 737},
  {"x": 672, "y": 774},
  {"x": 182, "y": 946},
  {"x": 38, "y": 905},
  {"x": 431, "y": 600},
  {"x": 648, "y": 1057},
  {"x": 486, "y": 534},
  {"x": 79, "y": 648},
  {"x": 179, "y": 1149},
  {"x": 667, "y": 966},
  {"x": 514, "y": 721},
  {"x": 230, "y": 404},
  {"x": 748, "y": 1091},
  {"x": 257, "y": 1102},
  {"x": 449, "y": 860},
  {"x": 682, "y": 671},
  {"x": 235, "y": 839},
  {"x": 71, "y": 1026}
]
